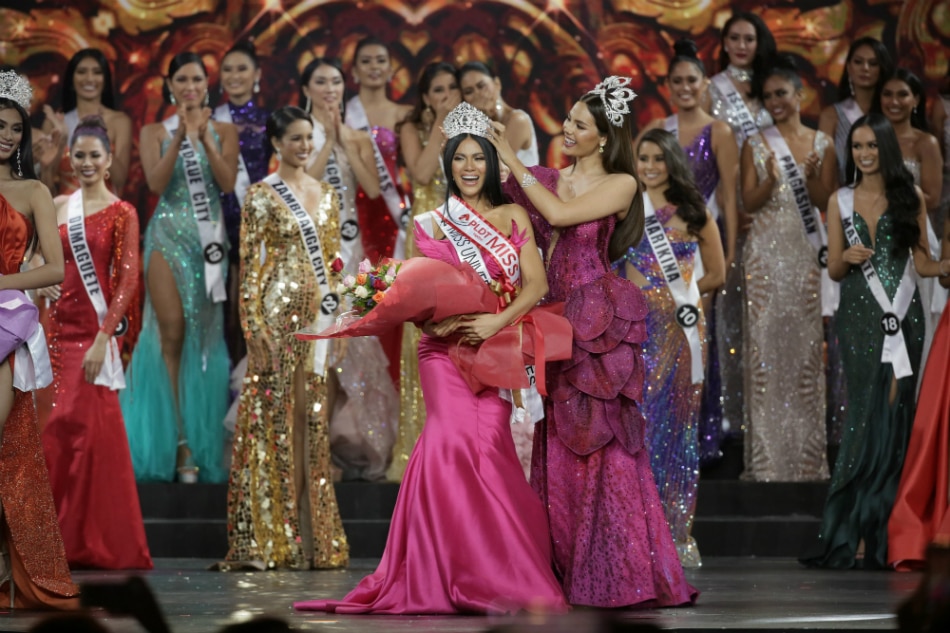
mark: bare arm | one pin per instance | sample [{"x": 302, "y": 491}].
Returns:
[
  {"x": 824, "y": 180},
  {"x": 52, "y": 270},
  {"x": 121, "y": 151},
  {"x": 931, "y": 169},
  {"x": 359, "y": 150},
  {"x": 518, "y": 130},
  {"x": 727, "y": 160},
  {"x": 841, "y": 256},
  {"x": 714, "y": 262},
  {"x": 925, "y": 266},
  {"x": 754, "y": 193},
  {"x": 421, "y": 162},
  {"x": 938, "y": 116},
  {"x": 223, "y": 161},
  {"x": 828, "y": 121}
]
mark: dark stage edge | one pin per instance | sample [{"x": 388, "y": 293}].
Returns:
[{"x": 738, "y": 594}]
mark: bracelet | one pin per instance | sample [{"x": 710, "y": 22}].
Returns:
[
  {"x": 527, "y": 180},
  {"x": 940, "y": 272}
]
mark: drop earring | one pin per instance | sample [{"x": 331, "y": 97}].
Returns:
[
  {"x": 19, "y": 165},
  {"x": 206, "y": 100},
  {"x": 306, "y": 107},
  {"x": 171, "y": 98},
  {"x": 851, "y": 85},
  {"x": 257, "y": 86},
  {"x": 602, "y": 148},
  {"x": 277, "y": 152}
]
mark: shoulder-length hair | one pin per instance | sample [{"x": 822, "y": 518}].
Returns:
[
  {"x": 884, "y": 62},
  {"x": 69, "y": 88}
]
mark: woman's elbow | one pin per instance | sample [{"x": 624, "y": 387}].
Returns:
[{"x": 57, "y": 272}]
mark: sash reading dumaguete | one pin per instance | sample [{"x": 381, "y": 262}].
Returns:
[
  {"x": 329, "y": 300},
  {"x": 671, "y": 125},
  {"x": 351, "y": 248},
  {"x": 396, "y": 203},
  {"x": 111, "y": 374},
  {"x": 895, "y": 347},
  {"x": 223, "y": 113},
  {"x": 686, "y": 297},
  {"x": 210, "y": 232},
  {"x": 811, "y": 219},
  {"x": 738, "y": 105}
]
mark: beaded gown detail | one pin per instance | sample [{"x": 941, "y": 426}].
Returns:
[
  {"x": 612, "y": 543},
  {"x": 147, "y": 402},
  {"x": 84, "y": 439},
  {"x": 28, "y": 525},
  {"x": 468, "y": 534},
  {"x": 671, "y": 402},
  {"x": 282, "y": 509}
]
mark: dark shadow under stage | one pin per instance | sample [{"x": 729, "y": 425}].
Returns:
[{"x": 745, "y": 594}]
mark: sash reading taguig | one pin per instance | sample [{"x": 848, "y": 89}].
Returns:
[
  {"x": 329, "y": 300},
  {"x": 396, "y": 203},
  {"x": 671, "y": 125},
  {"x": 814, "y": 229},
  {"x": 351, "y": 249},
  {"x": 110, "y": 374},
  {"x": 895, "y": 347},
  {"x": 223, "y": 113},
  {"x": 211, "y": 232}
]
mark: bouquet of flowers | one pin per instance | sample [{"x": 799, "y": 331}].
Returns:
[{"x": 369, "y": 286}]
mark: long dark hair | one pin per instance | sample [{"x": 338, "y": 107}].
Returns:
[
  {"x": 902, "y": 201},
  {"x": 281, "y": 118},
  {"x": 884, "y": 62},
  {"x": 492, "y": 187},
  {"x": 25, "y": 163},
  {"x": 765, "y": 48},
  {"x": 179, "y": 60},
  {"x": 918, "y": 116},
  {"x": 681, "y": 187},
  {"x": 618, "y": 158},
  {"x": 310, "y": 68},
  {"x": 428, "y": 75},
  {"x": 69, "y": 88}
]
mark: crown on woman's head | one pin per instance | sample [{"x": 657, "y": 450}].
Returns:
[
  {"x": 466, "y": 119},
  {"x": 616, "y": 97},
  {"x": 16, "y": 88}
]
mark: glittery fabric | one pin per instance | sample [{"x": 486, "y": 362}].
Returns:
[
  {"x": 671, "y": 403},
  {"x": 271, "y": 523},
  {"x": 28, "y": 525},
  {"x": 612, "y": 543},
  {"x": 841, "y": 141},
  {"x": 785, "y": 371},
  {"x": 874, "y": 442},
  {"x": 151, "y": 421},
  {"x": 84, "y": 438},
  {"x": 68, "y": 183},
  {"x": 722, "y": 110}
]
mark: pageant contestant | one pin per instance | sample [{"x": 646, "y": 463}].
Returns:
[
  {"x": 282, "y": 510},
  {"x": 612, "y": 543},
  {"x": 876, "y": 240},
  {"x": 420, "y": 137},
  {"x": 34, "y": 572},
  {"x": 84, "y": 438},
  {"x": 468, "y": 534},
  {"x": 940, "y": 122},
  {"x": 177, "y": 391},
  {"x": 788, "y": 171},
  {"x": 678, "y": 229}
]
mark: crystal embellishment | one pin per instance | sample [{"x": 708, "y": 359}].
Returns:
[
  {"x": 466, "y": 119},
  {"x": 616, "y": 96}
]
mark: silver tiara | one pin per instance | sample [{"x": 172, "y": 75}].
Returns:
[
  {"x": 616, "y": 97},
  {"x": 16, "y": 88},
  {"x": 466, "y": 119}
]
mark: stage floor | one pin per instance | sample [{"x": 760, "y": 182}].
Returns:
[{"x": 737, "y": 594}]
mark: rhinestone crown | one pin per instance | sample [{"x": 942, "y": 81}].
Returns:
[
  {"x": 616, "y": 97},
  {"x": 16, "y": 88},
  {"x": 466, "y": 119}
]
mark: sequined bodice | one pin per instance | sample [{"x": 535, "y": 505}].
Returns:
[
  {"x": 721, "y": 109},
  {"x": 16, "y": 234},
  {"x": 176, "y": 199},
  {"x": 702, "y": 162},
  {"x": 684, "y": 246},
  {"x": 250, "y": 121},
  {"x": 388, "y": 144},
  {"x": 914, "y": 168},
  {"x": 889, "y": 268}
]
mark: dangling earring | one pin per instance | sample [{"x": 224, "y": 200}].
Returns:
[
  {"x": 277, "y": 151},
  {"x": 257, "y": 86},
  {"x": 602, "y": 148},
  {"x": 19, "y": 165},
  {"x": 851, "y": 85},
  {"x": 171, "y": 98},
  {"x": 306, "y": 107},
  {"x": 499, "y": 108},
  {"x": 206, "y": 100}
]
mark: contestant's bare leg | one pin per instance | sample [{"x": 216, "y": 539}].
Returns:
[{"x": 302, "y": 462}]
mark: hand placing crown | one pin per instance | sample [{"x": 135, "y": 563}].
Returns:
[
  {"x": 466, "y": 119},
  {"x": 16, "y": 88},
  {"x": 616, "y": 97}
]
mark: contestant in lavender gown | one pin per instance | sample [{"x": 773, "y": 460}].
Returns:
[
  {"x": 468, "y": 533},
  {"x": 612, "y": 544}
]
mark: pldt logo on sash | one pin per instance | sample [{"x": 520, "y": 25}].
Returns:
[
  {"x": 823, "y": 257},
  {"x": 329, "y": 303},
  {"x": 687, "y": 315},
  {"x": 122, "y": 327},
  {"x": 890, "y": 324},
  {"x": 350, "y": 230},
  {"x": 214, "y": 253}
]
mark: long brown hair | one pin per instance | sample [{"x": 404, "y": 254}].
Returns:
[{"x": 681, "y": 186}]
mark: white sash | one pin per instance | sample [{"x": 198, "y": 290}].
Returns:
[
  {"x": 329, "y": 300},
  {"x": 210, "y": 231},
  {"x": 71, "y": 120},
  {"x": 851, "y": 110},
  {"x": 459, "y": 218},
  {"x": 737, "y": 104},
  {"x": 223, "y": 113},
  {"x": 31, "y": 367},
  {"x": 110, "y": 374},
  {"x": 685, "y": 297},
  {"x": 350, "y": 245},
  {"x": 397, "y": 204},
  {"x": 811, "y": 219},
  {"x": 895, "y": 347},
  {"x": 671, "y": 125}
]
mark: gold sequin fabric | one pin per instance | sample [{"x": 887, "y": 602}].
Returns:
[{"x": 271, "y": 523}]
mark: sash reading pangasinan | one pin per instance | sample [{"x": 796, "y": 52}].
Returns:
[
  {"x": 223, "y": 113},
  {"x": 737, "y": 104},
  {"x": 811, "y": 219},
  {"x": 686, "y": 297},
  {"x": 895, "y": 347},
  {"x": 110, "y": 374},
  {"x": 351, "y": 248},
  {"x": 329, "y": 300},
  {"x": 397, "y": 203},
  {"x": 210, "y": 232}
]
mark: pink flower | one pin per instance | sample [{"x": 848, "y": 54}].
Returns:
[
  {"x": 365, "y": 266},
  {"x": 349, "y": 280}
]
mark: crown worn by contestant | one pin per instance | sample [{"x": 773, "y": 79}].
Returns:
[
  {"x": 466, "y": 119},
  {"x": 16, "y": 88},
  {"x": 616, "y": 97}
]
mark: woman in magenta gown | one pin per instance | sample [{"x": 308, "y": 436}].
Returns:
[
  {"x": 468, "y": 535},
  {"x": 612, "y": 544}
]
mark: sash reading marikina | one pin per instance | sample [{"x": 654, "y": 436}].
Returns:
[
  {"x": 895, "y": 347},
  {"x": 351, "y": 249},
  {"x": 210, "y": 232},
  {"x": 685, "y": 297},
  {"x": 110, "y": 374},
  {"x": 397, "y": 204},
  {"x": 223, "y": 113},
  {"x": 329, "y": 300},
  {"x": 738, "y": 106},
  {"x": 671, "y": 125},
  {"x": 814, "y": 229}
]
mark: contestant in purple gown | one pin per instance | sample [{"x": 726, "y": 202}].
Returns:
[{"x": 612, "y": 544}]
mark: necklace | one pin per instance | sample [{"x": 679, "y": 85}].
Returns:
[{"x": 739, "y": 74}]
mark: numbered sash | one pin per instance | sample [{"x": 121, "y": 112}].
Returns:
[
  {"x": 110, "y": 374},
  {"x": 686, "y": 297},
  {"x": 210, "y": 232},
  {"x": 351, "y": 249},
  {"x": 737, "y": 105},
  {"x": 895, "y": 347},
  {"x": 223, "y": 113},
  {"x": 398, "y": 204},
  {"x": 329, "y": 300}
]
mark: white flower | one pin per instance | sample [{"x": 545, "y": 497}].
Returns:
[
  {"x": 342, "y": 288},
  {"x": 361, "y": 292},
  {"x": 389, "y": 279}
]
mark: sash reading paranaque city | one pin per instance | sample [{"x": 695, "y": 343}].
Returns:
[
  {"x": 329, "y": 300},
  {"x": 895, "y": 347},
  {"x": 210, "y": 232},
  {"x": 671, "y": 125},
  {"x": 685, "y": 297},
  {"x": 397, "y": 204},
  {"x": 350, "y": 246},
  {"x": 110, "y": 374},
  {"x": 223, "y": 113}
]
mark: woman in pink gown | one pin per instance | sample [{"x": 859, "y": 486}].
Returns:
[{"x": 468, "y": 535}]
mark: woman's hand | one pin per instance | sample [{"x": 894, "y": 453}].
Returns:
[
  {"x": 204, "y": 129},
  {"x": 95, "y": 357},
  {"x": 772, "y": 170},
  {"x": 52, "y": 293},
  {"x": 812, "y": 165},
  {"x": 443, "y": 328},
  {"x": 496, "y": 136},
  {"x": 856, "y": 255},
  {"x": 478, "y": 327}
]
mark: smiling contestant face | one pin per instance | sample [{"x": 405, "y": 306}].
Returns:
[
  {"x": 581, "y": 137},
  {"x": 469, "y": 166},
  {"x": 296, "y": 145},
  {"x": 89, "y": 159},
  {"x": 864, "y": 150},
  {"x": 651, "y": 165}
]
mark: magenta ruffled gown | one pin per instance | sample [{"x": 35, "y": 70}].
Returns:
[
  {"x": 612, "y": 544},
  {"x": 468, "y": 534}
]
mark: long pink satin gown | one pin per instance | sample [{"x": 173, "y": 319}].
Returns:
[{"x": 468, "y": 534}]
